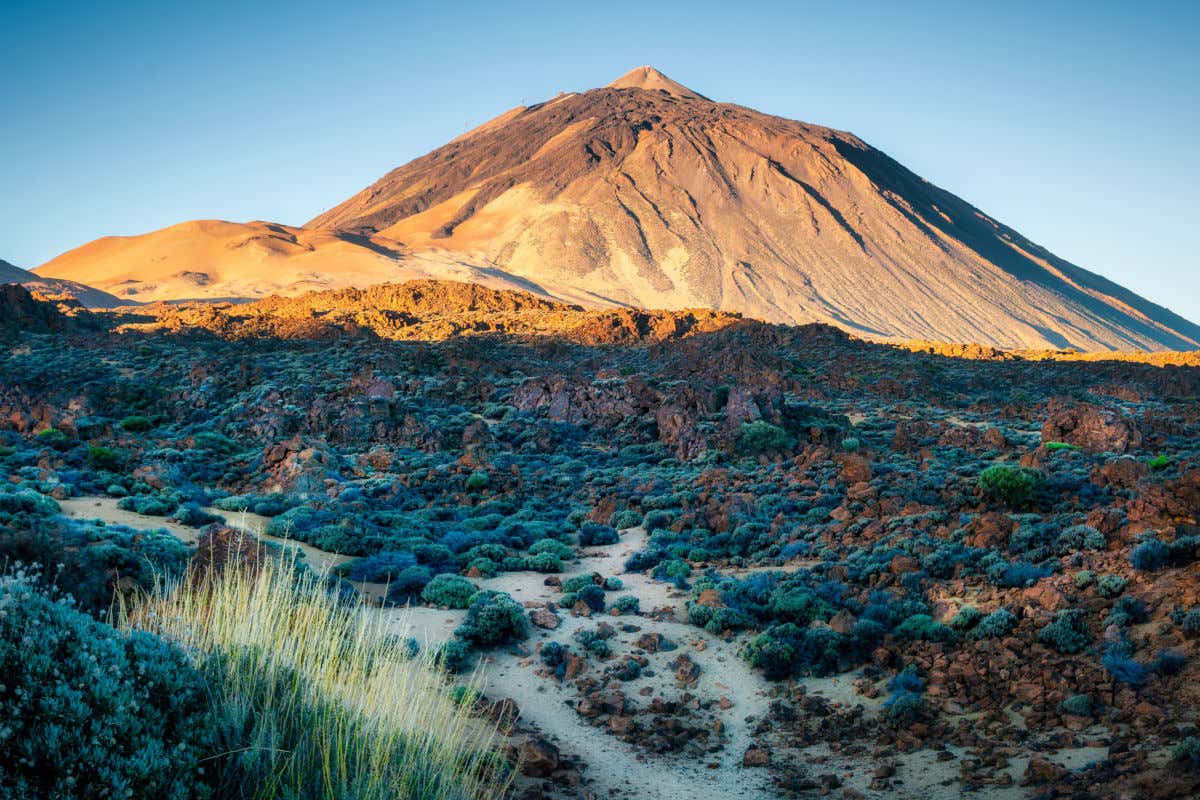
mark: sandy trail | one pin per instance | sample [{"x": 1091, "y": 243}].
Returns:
[{"x": 615, "y": 769}]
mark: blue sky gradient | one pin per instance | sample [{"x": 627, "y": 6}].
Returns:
[{"x": 1075, "y": 123}]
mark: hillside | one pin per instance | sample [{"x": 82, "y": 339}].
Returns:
[{"x": 54, "y": 288}]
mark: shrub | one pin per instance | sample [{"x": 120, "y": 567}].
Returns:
[
  {"x": 1110, "y": 586},
  {"x": 593, "y": 596},
  {"x": 1170, "y": 662},
  {"x": 454, "y": 656},
  {"x": 657, "y": 520},
  {"x": 193, "y": 516},
  {"x": 149, "y": 505},
  {"x": 136, "y": 424},
  {"x": 996, "y": 624},
  {"x": 850, "y": 444},
  {"x": 1159, "y": 462},
  {"x": 493, "y": 618},
  {"x": 1189, "y": 621},
  {"x": 595, "y": 640},
  {"x": 676, "y": 571},
  {"x": 1149, "y": 556},
  {"x": 1187, "y": 751},
  {"x": 382, "y": 567},
  {"x": 576, "y": 584},
  {"x": 1078, "y": 704},
  {"x": 1118, "y": 662},
  {"x": 1083, "y": 579},
  {"x": 87, "y": 706},
  {"x": 477, "y": 481},
  {"x": 1127, "y": 611},
  {"x": 628, "y": 604},
  {"x": 486, "y": 567},
  {"x": 787, "y": 649},
  {"x": 905, "y": 702},
  {"x": 1011, "y": 485},
  {"x": 922, "y": 626},
  {"x": 552, "y": 546},
  {"x": 903, "y": 707},
  {"x": 409, "y": 583},
  {"x": 1022, "y": 573},
  {"x": 545, "y": 562},
  {"x": 622, "y": 520},
  {"x": 453, "y": 591},
  {"x": 967, "y": 617},
  {"x": 53, "y": 437},
  {"x": 761, "y": 436},
  {"x": 103, "y": 457},
  {"x": 1068, "y": 633},
  {"x": 553, "y": 653},
  {"x": 593, "y": 535}
]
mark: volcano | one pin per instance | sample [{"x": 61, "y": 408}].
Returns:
[{"x": 646, "y": 193}]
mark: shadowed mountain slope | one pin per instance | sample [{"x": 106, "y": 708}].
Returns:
[{"x": 54, "y": 288}]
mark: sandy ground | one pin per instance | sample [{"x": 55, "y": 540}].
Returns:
[{"x": 614, "y": 768}]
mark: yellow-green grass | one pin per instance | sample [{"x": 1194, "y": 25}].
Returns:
[{"x": 314, "y": 698}]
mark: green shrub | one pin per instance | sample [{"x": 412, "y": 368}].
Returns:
[
  {"x": 628, "y": 604},
  {"x": 485, "y": 566},
  {"x": 966, "y": 617},
  {"x": 1159, "y": 462},
  {"x": 453, "y": 591},
  {"x": 1068, "y": 633},
  {"x": 923, "y": 627},
  {"x": 454, "y": 656},
  {"x": 996, "y": 624},
  {"x": 576, "y": 584},
  {"x": 552, "y": 546},
  {"x": 92, "y": 712},
  {"x": 545, "y": 562},
  {"x": 1078, "y": 704},
  {"x": 622, "y": 520},
  {"x": 477, "y": 481},
  {"x": 53, "y": 437},
  {"x": 103, "y": 457},
  {"x": 1083, "y": 579},
  {"x": 136, "y": 424},
  {"x": 493, "y": 618},
  {"x": 1187, "y": 751},
  {"x": 761, "y": 436},
  {"x": 1014, "y": 486},
  {"x": 1111, "y": 585}
]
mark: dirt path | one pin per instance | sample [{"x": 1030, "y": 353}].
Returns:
[{"x": 615, "y": 769}]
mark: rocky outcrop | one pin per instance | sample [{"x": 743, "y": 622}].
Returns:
[{"x": 21, "y": 313}]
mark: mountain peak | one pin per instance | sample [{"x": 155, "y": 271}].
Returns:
[{"x": 651, "y": 80}]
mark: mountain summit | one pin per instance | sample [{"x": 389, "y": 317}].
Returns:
[
  {"x": 651, "y": 80},
  {"x": 646, "y": 193}
]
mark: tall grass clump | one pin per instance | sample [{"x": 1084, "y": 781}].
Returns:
[{"x": 315, "y": 698}]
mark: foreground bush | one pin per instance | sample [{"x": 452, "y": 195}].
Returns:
[
  {"x": 91, "y": 712},
  {"x": 1011, "y": 485},
  {"x": 313, "y": 698}
]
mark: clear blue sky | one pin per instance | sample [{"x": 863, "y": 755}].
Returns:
[{"x": 1077, "y": 123}]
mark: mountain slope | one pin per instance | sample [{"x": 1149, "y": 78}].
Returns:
[
  {"x": 55, "y": 288},
  {"x": 213, "y": 259},
  {"x": 646, "y": 193}
]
